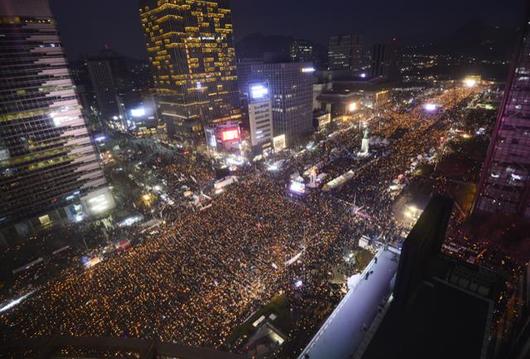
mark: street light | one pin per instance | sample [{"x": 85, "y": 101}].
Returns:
[{"x": 352, "y": 107}]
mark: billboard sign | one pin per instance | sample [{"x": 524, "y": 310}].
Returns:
[
  {"x": 259, "y": 91},
  {"x": 230, "y": 134},
  {"x": 138, "y": 112},
  {"x": 225, "y": 136}
]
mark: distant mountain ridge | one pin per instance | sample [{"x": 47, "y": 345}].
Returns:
[
  {"x": 474, "y": 39},
  {"x": 478, "y": 39}
]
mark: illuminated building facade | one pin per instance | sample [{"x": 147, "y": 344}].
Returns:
[
  {"x": 345, "y": 52},
  {"x": 49, "y": 169},
  {"x": 505, "y": 181},
  {"x": 260, "y": 115},
  {"x": 291, "y": 91},
  {"x": 190, "y": 48}
]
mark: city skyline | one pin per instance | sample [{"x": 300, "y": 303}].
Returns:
[{"x": 117, "y": 28}]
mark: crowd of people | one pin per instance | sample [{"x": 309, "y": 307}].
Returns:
[
  {"x": 204, "y": 272},
  {"x": 192, "y": 283}
]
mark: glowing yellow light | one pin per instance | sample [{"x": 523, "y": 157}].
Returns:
[
  {"x": 352, "y": 107},
  {"x": 147, "y": 199},
  {"x": 470, "y": 82}
]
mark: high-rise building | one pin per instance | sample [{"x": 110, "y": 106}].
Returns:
[
  {"x": 193, "y": 63},
  {"x": 291, "y": 87},
  {"x": 345, "y": 52},
  {"x": 301, "y": 51},
  {"x": 386, "y": 59},
  {"x": 85, "y": 94},
  {"x": 113, "y": 86},
  {"x": 441, "y": 306},
  {"x": 260, "y": 115},
  {"x": 49, "y": 169},
  {"x": 423, "y": 242},
  {"x": 418, "y": 302},
  {"x": 505, "y": 180},
  {"x": 105, "y": 89},
  {"x": 244, "y": 74},
  {"x": 109, "y": 86}
]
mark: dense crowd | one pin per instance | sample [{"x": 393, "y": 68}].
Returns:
[
  {"x": 204, "y": 272},
  {"x": 411, "y": 135},
  {"x": 193, "y": 282}
]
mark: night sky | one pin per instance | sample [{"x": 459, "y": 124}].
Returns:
[{"x": 86, "y": 26}]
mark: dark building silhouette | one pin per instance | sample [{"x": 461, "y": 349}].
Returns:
[
  {"x": 442, "y": 307},
  {"x": 104, "y": 78},
  {"x": 345, "y": 52},
  {"x": 302, "y": 51},
  {"x": 385, "y": 60},
  {"x": 423, "y": 242}
]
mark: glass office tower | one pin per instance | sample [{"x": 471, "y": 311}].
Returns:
[
  {"x": 291, "y": 92},
  {"x": 49, "y": 169}
]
